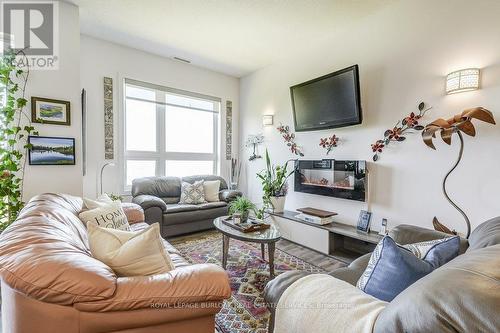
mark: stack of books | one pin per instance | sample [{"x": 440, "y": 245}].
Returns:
[{"x": 317, "y": 216}]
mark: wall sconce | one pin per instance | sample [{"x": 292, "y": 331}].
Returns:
[
  {"x": 462, "y": 80},
  {"x": 267, "y": 120}
]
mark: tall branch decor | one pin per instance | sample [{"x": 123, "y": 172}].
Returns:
[
  {"x": 460, "y": 123},
  {"x": 289, "y": 138},
  {"x": 396, "y": 134},
  {"x": 15, "y": 127}
]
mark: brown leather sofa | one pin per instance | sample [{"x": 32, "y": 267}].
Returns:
[
  {"x": 51, "y": 283},
  {"x": 461, "y": 296}
]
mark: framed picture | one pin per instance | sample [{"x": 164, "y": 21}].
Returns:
[
  {"x": 47, "y": 150},
  {"x": 50, "y": 111},
  {"x": 364, "y": 221}
]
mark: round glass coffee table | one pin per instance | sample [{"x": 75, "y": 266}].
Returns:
[{"x": 268, "y": 236}]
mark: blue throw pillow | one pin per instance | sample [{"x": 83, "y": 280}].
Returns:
[{"x": 393, "y": 268}]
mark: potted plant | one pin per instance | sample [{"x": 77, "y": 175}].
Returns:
[
  {"x": 274, "y": 184},
  {"x": 242, "y": 206}
]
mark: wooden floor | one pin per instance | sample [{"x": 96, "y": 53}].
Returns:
[{"x": 329, "y": 264}]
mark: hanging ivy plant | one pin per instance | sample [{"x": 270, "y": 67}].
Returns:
[{"x": 15, "y": 127}]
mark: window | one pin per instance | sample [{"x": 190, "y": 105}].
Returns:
[{"x": 168, "y": 132}]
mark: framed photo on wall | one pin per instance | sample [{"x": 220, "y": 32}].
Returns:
[
  {"x": 50, "y": 111},
  {"x": 364, "y": 221},
  {"x": 46, "y": 150}
]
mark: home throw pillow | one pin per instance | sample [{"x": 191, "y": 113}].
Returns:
[
  {"x": 211, "y": 188},
  {"x": 108, "y": 216},
  {"x": 192, "y": 193},
  {"x": 130, "y": 253},
  {"x": 392, "y": 267}
]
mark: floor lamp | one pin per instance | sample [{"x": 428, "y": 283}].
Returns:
[
  {"x": 102, "y": 170},
  {"x": 460, "y": 123}
]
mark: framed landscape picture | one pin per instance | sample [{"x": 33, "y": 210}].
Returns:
[
  {"x": 50, "y": 111},
  {"x": 47, "y": 150}
]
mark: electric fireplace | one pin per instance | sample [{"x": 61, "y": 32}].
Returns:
[{"x": 340, "y": 179}]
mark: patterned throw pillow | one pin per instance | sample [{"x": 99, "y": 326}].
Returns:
[
  {"x": 393, "y": 268},
  {"x": 192, "y": 193}
]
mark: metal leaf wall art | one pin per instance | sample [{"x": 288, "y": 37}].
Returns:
[
  {"x": 396, "y": 134},
  {"x": 459, "y": 123},
  {"x": 289, "y": 138},
  {"x": 329, "y": 143}
]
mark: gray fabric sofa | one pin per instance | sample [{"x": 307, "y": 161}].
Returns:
[
  {"x": 461, "y": 296},
  {"x": 159, "y": 197}
]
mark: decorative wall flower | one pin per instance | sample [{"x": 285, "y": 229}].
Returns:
[
  {"x": 329, "y": 143},
  {"x": 289, "y": 138},
  {"x": 409, "y": 123}
]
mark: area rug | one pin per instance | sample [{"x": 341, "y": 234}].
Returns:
[{"x": 245, "y": 311}]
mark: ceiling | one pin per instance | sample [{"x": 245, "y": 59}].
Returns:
[{"x": 235, "y": 37}]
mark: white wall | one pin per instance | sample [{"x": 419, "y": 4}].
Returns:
[
  {"x": 100, "y": 58},
  {"x": 403, "y": 53},
  {"x": 63, "y": 84}
]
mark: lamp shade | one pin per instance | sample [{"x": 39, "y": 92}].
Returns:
[
  {"x": 267, "y": 120},
  {"x": 462, "y": 80}
]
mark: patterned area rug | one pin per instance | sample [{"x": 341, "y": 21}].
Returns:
[{"x": 245, "y": 311}]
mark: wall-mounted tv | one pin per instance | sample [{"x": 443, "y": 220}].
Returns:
[{"x": 330, "y": 101}]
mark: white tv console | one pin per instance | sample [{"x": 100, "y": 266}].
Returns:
[{"x": 340, "y": 241}]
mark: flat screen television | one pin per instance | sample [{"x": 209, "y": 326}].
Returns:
[{"x": 330, "y": 101}]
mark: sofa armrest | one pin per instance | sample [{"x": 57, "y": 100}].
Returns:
[
  {"x": 133, "y": 212},
  {"x": 275, "y": 288},
  {"x": 149, "y": 201},
  {"x": 353, "y": 272},
  {"x": 185, "y": 285},
  {"x": 408, "y": 234},
  {"x": 229, "y": 195}
]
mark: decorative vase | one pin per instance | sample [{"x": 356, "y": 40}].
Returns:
[
  {"x": 278, "y": 204},
  {"x": 244, "y": 216}
]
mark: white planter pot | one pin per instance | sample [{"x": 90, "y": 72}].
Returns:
[{"x": 278, "y": 204}]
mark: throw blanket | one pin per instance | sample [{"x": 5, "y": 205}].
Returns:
[{"x": 322, "y": 303}]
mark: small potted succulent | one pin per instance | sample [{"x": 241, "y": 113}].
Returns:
[{"x": 242, "y": 206}]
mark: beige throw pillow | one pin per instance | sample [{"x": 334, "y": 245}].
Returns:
[
  {"x": 192, "y": 193},
  {"x": 108, "y": 216},
  {"x": 130, "y": 253},
  {"x": 211, "y": 188},
  {"x": 101, "y": 200}
]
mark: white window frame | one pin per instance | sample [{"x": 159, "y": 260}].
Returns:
[{"x": 160, "y": 156}]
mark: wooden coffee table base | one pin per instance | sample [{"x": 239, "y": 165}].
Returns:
[{"x": 270, "y": 248}]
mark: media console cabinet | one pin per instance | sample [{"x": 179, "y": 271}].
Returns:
[{"x": 341, "y": 241}]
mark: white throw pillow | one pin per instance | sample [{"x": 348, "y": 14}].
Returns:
[
  {"x": 130, "y": 253},
  {"x": 101, "y": 200},
  {"x": 192, "y": 193},
  {"x": 211, "y": 188},
  {"x": 110, "y": 215}
]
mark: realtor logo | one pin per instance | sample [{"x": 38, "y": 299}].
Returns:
[{"x": 31, "y": 28}]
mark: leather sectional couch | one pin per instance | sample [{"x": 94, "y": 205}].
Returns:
[
  {"x": 461, "y": 296},
  {"x": 159, "y": 197},
  {"x": 51, "y": 283}
]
